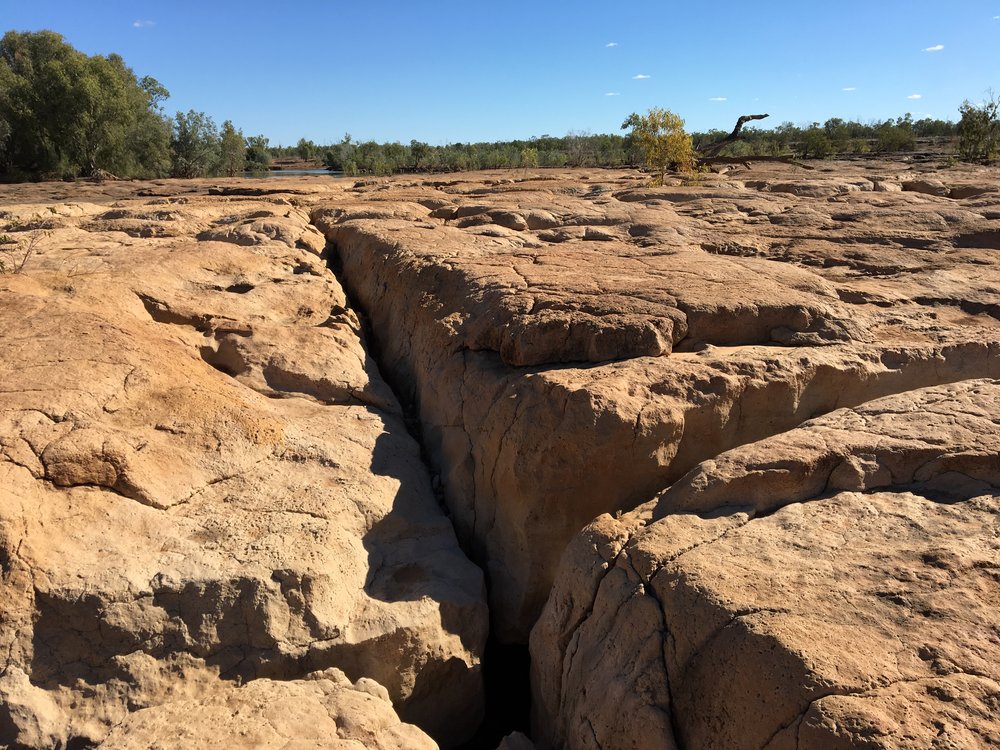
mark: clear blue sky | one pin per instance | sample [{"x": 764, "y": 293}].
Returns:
[{"x": 469, "y": 70}]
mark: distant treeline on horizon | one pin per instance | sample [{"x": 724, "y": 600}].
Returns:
[
  {"x": 815, "y": 141},
  {"x": 64, "y": 114}
]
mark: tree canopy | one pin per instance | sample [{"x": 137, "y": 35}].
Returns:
[
  {"x": 65, "y": 113},
  {"x": 660, "y": 136}
]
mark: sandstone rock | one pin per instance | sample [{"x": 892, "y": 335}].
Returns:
[
  {"x": 322, "y": 711},
  {"x": 165, "y": 520},
  {"x": 566, "y": 378},
  {"x": 829, "y": 587},
  {"x": 927, "y": 187}
]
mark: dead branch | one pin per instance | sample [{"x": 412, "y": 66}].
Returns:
[
  {"x": 748, "y": 160},
  {"x": 711, "y": 149}
]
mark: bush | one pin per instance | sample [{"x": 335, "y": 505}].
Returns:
[
  {"x": 890, "y": 138},
  {"x": 979, "y": 131},
  {"x": 659, "y": 135},
  {"x": 815, "y": 144}
]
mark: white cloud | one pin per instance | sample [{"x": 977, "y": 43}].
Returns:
[
  {"x": 717, "y": 99},
  {"x": 640, "y": 77},
  {"x": 612, "y": 93},
  {"x": 849, "y": 88},
  {"x": 996, "y": 18},
  {"x": 935, "y": 48},
  {"x": 915, "y": 96},
  {"x": 611, "y": 44},
  {"x": 140, "y": 24}
]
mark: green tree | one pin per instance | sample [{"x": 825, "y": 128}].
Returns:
[
  {"x": 232, "y": 150},
  {"x": 258, "y": 158},
  {"x": 979, "y": 130},
  {"x": 306, "y": 150},
  {"x": 895, "y": 136},
  {"x": 659, "y": 135},
  {"x": 66, "y": 113},
  {"x": 195, "y": 145},
  {"x": 814, "y": 143}
]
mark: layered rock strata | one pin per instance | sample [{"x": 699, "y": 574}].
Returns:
[
  {"x": 205, "y": 482},
  {"x": 835, "y": 586}
]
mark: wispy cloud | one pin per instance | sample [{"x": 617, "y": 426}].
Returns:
[
  {"x": 849, "y": 88},
  {"x": 717, "y": 99},
  {"x": 640, "y": 77},
  {"x": 996, "y": 18},
  {"x": 612, "y": 93},
  {"x": 935, "y": 48},
  {"x": 141, "y": 24},
  {"x": 915, "y": 96},
  {"x": 611, "y": 44}
]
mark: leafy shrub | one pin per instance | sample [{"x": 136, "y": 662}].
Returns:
[
  {"x": 660, "y": 136},
  {"x": 979, "y": 130}
]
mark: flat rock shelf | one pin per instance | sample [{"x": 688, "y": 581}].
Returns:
[{"x": 276, "y": 457}]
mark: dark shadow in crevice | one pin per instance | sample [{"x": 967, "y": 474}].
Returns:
[{"x": 508, "y": 695}]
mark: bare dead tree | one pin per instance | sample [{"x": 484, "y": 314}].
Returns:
[
  {"x": 708, "y": 153},
  {"x": 712, "y": 149},
  {"x": 746, "y": 161}
]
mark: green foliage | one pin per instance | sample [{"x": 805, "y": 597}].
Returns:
[
  {"x": 659, "y": 135},
  {"x": 232, "y": 150},
  {"x": 979, "y": 130},
  {"x": 258, "y": 158},
  {"x": 305, "y": 150},
  {"x": 529, "y": 157},
  {"x": 815, "y": 143},
  {"x": 196, "y": 145},
  {"x": 64, "y": 113},
  {"x": 896, "y": 136}
]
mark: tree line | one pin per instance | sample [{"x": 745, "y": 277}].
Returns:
[{"x": 66, "y": 114}]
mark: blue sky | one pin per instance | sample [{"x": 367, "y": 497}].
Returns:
[{"x": 451, "y": 71}]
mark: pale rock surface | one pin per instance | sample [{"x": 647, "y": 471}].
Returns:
[
  {"x": 324, "y": 710},
  {"x": 835, "y": 586},
  {"x": 558, "y": 378},
  {"x": 203, "y": 473}
]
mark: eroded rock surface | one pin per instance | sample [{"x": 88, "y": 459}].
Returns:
[
  {"x": 574, "y": 342},
  {"x": 834, "y": 586},
  {"x": 203, "y": 473},
  {"x": 214, "y": 500},
  {"x": 323, "y": 711}
]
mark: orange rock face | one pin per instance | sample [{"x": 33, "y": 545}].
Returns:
[
  {"x": 203, "y": 476},
  {"x": 766, "y": 397}
]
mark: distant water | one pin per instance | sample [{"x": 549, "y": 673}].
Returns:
[{"x": 293, "y": 173}]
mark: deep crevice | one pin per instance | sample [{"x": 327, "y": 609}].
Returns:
[{"x": 506, "y": 667}]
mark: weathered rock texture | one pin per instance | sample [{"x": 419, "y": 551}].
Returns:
[
  {"x": 836, "y": 586},
  {"x": 209, "y": 495},
  {"x": 202, "y": 473},
  {"x": 575, "y": 342},
  {"x": 324, "y": 711}
]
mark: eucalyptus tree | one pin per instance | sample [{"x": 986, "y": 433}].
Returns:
[{"x": 65, "y": 113}]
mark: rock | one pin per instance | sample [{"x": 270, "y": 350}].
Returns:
[
  {"x": 509, "y": 220},
  {"x": 830, "y": 583},
  {"x": 322, "y": 711},
  {"x": 563, "y": 379},
  {"x": 964, "y": 192},
  {"x": 215, "y": 486},
  {"x": 165, "y": 520},
  {"x": 539, "y": 219},
  {"x": 516, "y": 741},
  {"x": 927, "y": 187}
]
